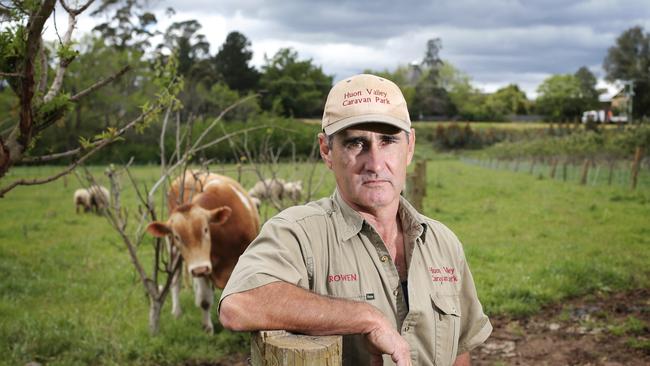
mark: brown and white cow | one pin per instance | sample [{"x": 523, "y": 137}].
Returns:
[{"x": 212, "y": 227}]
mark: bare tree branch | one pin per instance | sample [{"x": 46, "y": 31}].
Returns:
[
  {"x": 57, "y": 84},
  {"x": 50, "y": 157},
  {"x": 100, "y": 84},
  {"x": 78, "y": 10},
  {"x": 11, "y": 74},
  {"x": 95, "y": 147}
]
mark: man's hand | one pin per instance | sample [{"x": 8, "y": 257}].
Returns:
[{"x": 386, "y": 340}]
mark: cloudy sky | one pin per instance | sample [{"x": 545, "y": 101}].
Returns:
[{"x": 496, "y": 42}]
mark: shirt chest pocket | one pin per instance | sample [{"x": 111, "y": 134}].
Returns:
[{"x": 446, "y": 314}]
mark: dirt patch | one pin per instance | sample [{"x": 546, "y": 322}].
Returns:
[{"x": 606, "y": 329}]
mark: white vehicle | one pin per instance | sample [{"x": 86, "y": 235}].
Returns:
[{"x": 602, "y": 116}]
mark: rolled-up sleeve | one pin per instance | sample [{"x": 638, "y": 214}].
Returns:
[{"x": 275, "y": 255}]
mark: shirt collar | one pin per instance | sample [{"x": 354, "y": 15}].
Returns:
[{"x": 351, "y": 222}]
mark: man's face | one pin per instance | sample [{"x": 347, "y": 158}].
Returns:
[{"x": 369, "y": 163}]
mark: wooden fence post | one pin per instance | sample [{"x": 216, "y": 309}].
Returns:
[
  {"x": 553, "y": 167},
  {"x": 532, "y": 166},
  {"x": 416, "y": 186},
  {"x": 635, "y": 165},
  {"x": 585, "y": 172},
  {"x": 280, "y": 348}
]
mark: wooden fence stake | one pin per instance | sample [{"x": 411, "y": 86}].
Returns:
[
  {"x": 553, "y": 168},
  {"x": 416, "y": 187},
  {"x": 532, "y": 166},
  {"x": 611, "y": 172},
  {"x": 635, "y": 165},
  {"x": 280, "y": 348},
  {"x": 585, "y": 172}
]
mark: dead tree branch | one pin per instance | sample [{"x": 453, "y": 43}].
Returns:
[
  {"x": 100, "y": 84},
  {"x": 96, "y": 146}
]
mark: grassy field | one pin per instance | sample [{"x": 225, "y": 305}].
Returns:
[{"x": 69, "y": 294}]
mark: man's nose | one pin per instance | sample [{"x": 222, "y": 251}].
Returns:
[{"x": 375, "y": 159}]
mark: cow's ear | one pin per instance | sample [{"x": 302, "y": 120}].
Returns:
[
  {"x": 158, "y": 229},
  {"x": 220, "y": 215}
]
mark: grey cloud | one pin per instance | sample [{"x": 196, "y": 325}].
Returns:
[{"x": 487, "y": 39}]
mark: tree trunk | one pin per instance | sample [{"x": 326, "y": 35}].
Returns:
[{"x": 155, "y": 307}]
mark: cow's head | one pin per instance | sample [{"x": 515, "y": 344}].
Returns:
[{"x": 189, "y": 228}]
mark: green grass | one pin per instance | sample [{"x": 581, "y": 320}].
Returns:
[{"x": 69, "y": 294}]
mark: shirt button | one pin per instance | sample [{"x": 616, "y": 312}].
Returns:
[
  {"x": 395, "y": 292},
  {"x": 406, "y": 329},
  {"x": 384, "y": 258}
]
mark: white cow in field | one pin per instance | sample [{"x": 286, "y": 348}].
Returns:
[
  {"x": 293, "y": 190},
  {"x": 81, "y": 199},
  {"x": 100, "y": 197},
  {"x": 268, "y": 189}
]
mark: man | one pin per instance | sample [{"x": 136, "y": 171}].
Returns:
[{"x": 362, "y": 263}]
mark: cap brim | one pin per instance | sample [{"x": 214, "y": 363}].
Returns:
[{"x": 366, "y": 118}]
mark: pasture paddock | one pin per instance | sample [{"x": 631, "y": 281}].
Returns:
[{"x": 69, "y": 294}]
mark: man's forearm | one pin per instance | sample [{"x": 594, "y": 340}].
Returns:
[
  {"x": 281, "y": 305},
  {"x": 463, "y": 360}
]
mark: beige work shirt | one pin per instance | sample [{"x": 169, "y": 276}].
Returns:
[{"x": 328, "y": 248}]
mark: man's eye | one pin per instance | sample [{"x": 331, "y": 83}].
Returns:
[{"x": 354, "y": 145}]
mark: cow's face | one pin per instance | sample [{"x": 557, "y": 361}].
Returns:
[{"x": 189, "y": 228}]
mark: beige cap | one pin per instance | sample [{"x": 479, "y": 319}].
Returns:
[{"x": 365, "y": 98}]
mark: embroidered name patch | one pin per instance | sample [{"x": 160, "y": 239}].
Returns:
[
  {"x": 444, "y": 274},
  {"x": 350, "y": 277}
]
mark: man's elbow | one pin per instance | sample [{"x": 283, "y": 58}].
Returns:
[{"x": 230, "y": 315}]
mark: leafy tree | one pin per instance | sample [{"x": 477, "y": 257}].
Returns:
[
  {"x": 506, "y": 101},
  {"x": 402, "y": 77},
  {"x": 193, "y": 53},
  {"x": 588, "y": 91},
  {"x": 293, "y": 87},
  {"x": 42, "y": 99},
  {"x": 560, "y": 97},
  {"x": 189, "y": 45},
  {"x": 232, "y": 63},
  {"x": 430, "y": 97},
  {"x": 467, "y": 100},
  {"x": 220, "y": 97},
  {"x": 128, "y": 25},
  {"x": 629, "y": 60},
  {"x": 431, "y": 58}
]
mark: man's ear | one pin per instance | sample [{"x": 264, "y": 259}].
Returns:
[
  {"x": 411, "y": 147},
  {"x": 220, "y": 215},
  {"x": 324, "y": 149},
  {"x": 158, "y": 229}
]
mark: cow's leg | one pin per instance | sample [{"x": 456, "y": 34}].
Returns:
[
  {"x": 204, "y": 297},
  {"x": 175, "y": 291},
  {"x": 176, "y": 280}
]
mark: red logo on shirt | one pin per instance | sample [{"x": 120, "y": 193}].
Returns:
[
  {"x": 350, "y": 277},
  {"x": 444, "y": 274}
]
